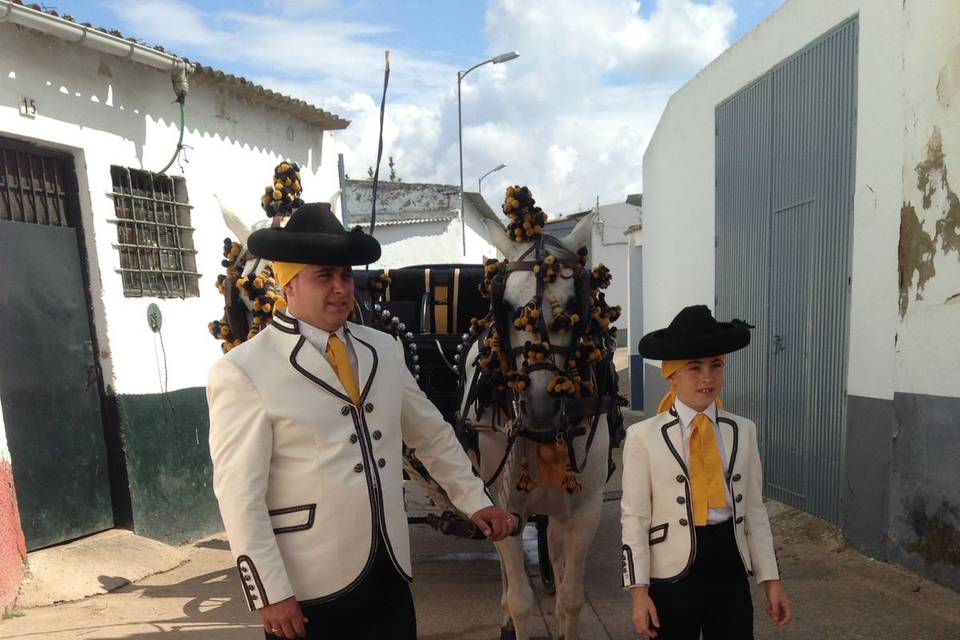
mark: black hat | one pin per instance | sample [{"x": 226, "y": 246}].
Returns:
[
  {"x": 694, "y": 333},
  {"x": 313, "y": 235}
]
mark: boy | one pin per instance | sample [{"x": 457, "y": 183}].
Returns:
[{"x": 694, "y": 524}]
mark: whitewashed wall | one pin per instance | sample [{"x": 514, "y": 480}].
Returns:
[
  {"x": 425, "y": 243},
  {"x": 908, "y": 83},
  {"x": 433, "y": 243},
  {"x": 107, "y": 111},
  {"x": 610, "y": 246}
]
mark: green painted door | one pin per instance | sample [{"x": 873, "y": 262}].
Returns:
[{"x": 48, "y": 386}]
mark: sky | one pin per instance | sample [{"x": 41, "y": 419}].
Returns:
[{"x": 570, "y": 117}]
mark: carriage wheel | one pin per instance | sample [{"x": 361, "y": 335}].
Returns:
[{"x": 543, "y": 555}]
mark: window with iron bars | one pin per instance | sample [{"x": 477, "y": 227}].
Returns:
[
  {"x": 154, "y": 236},
  {"x": 36, "y": 187}
]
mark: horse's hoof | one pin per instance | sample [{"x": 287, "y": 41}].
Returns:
[{"x": 508, "y": 634}]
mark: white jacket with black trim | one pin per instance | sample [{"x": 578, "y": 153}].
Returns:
[
  {"x": 656, "y": 510},
  {"x": 307, "y": 482}
]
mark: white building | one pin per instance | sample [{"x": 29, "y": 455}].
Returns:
[
  {"x": 105, "y": 419},
  {"x": 634, "y": 312},
  {"x": 802, "y": 182},
  {"x": 609, "y": 246},
  {"x": 419, "y": 223}
]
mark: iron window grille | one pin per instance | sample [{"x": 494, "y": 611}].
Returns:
[
  {"x": 154, "y": 236},
  {"x": 34, "y": 188}
]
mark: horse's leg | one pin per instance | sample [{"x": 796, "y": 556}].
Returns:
[
  {"x": 555, "y": 544},
  {"x": 506, "y": 623},
  {"x": 578, "y": 532},
  {"x": 519, "y": 593}
]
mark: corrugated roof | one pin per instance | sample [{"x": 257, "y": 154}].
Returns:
[
  {"x": 235, "y": 84},
  {"x": 396, "y": 222},
  {"x": 569, "y": 217}
]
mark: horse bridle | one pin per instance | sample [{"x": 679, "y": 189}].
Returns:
[{"x": 573, "y": 411}]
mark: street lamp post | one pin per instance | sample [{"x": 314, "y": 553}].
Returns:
[
  {"x": 503, "y": 57},
  {"x": 480, "y": 179}
]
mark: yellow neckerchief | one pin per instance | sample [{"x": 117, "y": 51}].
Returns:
[{"x": 670, "y": 367}]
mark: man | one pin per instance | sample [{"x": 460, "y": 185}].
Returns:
[{"x": 307, "y": 421}]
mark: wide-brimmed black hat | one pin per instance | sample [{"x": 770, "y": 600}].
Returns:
[
  {"x": 695, "y": 333},
  {"x": 313, "y": 235}
]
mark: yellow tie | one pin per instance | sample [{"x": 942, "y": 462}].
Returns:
[
  {"x": 340, "y": 361},
  {"x": 706, "y": 470}
]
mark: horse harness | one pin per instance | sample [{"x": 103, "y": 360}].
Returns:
[{"x": 505, "y": 399}]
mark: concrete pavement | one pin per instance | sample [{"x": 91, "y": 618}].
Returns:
[{"x": 837, "y": 593}]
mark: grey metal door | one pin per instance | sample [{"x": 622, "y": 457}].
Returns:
[
  {"x": 787, "y": 422},
  {"x": 785, "y": 164},
  {"x": 48, "y": 376}
]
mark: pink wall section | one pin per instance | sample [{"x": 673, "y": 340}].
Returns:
[{"x": 13, "y": 548}]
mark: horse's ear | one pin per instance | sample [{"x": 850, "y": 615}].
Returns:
[
  {"x": 335, "y": 205},
  {"x": 497, "y": 235},
  {"x": 580, "y": 236},
  {"x": 234, "y": 222}
]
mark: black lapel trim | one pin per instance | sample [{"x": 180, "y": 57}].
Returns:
[
  {"x": 689, "y": 503},
  {"x": 285, "y": 323},
  {"x": 375, "y": 508},
  {"x": 736, "y": 443},
  {"x": 245, "y": 561},
  {"x": 627, "y": 569},
  {"x": 311, "y": 510},
  {"x": 310, "y": 376},
  {"x": 373, "y": 370},
  {"x": 676, "y": 454},
  {"x": 379, "y": 498}
]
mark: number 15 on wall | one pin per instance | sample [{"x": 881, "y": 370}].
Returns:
[{"x": 28, "y": 107}]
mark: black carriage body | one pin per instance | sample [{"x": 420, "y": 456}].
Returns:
[{"x": 435, "y": 304}]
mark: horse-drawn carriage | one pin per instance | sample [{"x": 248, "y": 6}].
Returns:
[{"x": 518, "y": 357}]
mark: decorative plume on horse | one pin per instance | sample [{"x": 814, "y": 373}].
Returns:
[
  {"x": 251, "y": 293},
  {"x": 540, "y": 401}
]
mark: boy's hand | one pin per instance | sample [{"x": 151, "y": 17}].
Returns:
[
  {"x": 780, "y": 609},
  {"x": 644, "y": 613}
]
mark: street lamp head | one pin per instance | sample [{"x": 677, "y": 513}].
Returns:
[
  {"x": 505, "y": 57},
  {"x": 500, "y": 166}
]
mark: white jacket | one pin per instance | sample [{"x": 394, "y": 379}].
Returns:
[
  {"x": 304, "y": 479},
  {"x": 659, "y": 539}
]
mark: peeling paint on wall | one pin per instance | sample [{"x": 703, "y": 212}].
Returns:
[
  {"x": 917, "y": 248},
  {"x": 915, "y": 254},
  {"x": 948, "y": 227},
  {"x": 937, "y": 533}
]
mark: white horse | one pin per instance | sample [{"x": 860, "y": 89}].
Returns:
[{"x": 573, "y": 517}]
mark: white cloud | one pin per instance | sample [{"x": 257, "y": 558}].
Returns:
[{"x": 571, "y": 117}]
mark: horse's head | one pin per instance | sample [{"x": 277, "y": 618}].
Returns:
[{"x": 540, "y": 298}]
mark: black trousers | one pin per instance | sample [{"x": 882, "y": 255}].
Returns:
[
  {"x": 714, "y": 597},
  {"x": 379, "y": 608}
]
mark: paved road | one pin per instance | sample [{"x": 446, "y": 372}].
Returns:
[{"x": 837, "y": 592}]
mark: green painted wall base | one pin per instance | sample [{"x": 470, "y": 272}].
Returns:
[{"x": 168, "y": 465}]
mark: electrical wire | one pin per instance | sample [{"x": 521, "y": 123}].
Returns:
[{"x": 176, "y": 153}]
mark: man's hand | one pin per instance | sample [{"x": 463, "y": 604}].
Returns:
[
  {"x": 495, "y": 523},
  {"x": 780, "y": 609},
  {"x": 284, "y": 619},
  {"x": 645, "y": 618}
]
